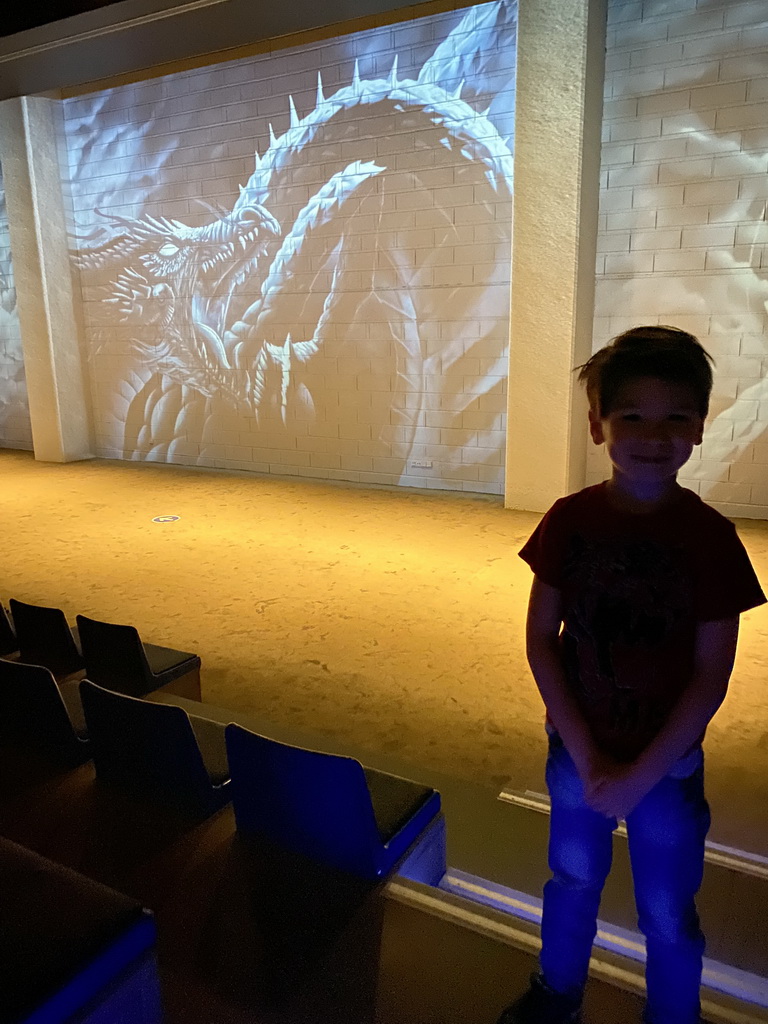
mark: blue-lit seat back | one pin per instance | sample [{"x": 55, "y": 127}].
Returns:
[{"x": 316, "y": 804}]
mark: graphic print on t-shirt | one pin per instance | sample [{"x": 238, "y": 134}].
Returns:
[{"x": 628, "y": 602}]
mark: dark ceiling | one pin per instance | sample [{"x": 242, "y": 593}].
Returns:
[
  {"x": 19, "y": 16},
  {"x": 70, "y": 44}
]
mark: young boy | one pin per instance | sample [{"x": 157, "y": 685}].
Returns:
[{"x": 648, "y": 583}]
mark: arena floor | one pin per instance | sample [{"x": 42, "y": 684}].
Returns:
[{"x": 390, "y": 615}]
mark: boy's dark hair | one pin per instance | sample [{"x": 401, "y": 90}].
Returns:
[{"x": 666, "y": 353}]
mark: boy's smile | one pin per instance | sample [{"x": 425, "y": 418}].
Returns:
[{"x": 649, "y": 432}]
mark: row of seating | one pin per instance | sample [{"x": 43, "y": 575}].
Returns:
[
  {"x": 333, "y": 829},
  {"x": 72, "y": 949},
  {"x": 326, "y": 807},
  {"x": 109, "y": 654}
]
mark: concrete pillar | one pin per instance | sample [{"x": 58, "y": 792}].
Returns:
[
  {"x": 560, "y": 71},
  {"x": 53, "y": 366}
]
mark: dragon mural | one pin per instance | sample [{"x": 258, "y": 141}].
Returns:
[{"x": 241, "y": 310}]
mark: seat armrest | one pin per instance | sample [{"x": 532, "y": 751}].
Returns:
[{"x": 395, "y": 801}]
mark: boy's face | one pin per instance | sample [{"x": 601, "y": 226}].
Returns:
[{"x": 650, "y": 430}]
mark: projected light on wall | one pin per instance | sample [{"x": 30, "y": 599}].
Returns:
[
  {"x": 683, "y": 230},
  {"x": 346, "y": 311},
  {"x": 15, "y": 429}
]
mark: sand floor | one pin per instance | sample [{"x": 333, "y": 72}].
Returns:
[{"x": 388, "y": 614}]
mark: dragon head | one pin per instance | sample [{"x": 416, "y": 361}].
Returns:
[{"x": 178, "y": 279}]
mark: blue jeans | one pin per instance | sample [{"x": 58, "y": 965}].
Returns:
[{"x": 666, "y": 834}]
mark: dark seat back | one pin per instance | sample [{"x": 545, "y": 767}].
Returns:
[
  {"x": 33, "y": 715},
  {"x": 114, "y": 657},
  {"x": 316, "y": 804},
  {"x": 8, "y": 642},
  {"x": 149, "y": 749},
  {"x": 72, "y": 948},
  {"x": 44, "y": 638}
]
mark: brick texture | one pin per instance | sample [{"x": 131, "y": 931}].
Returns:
[
  {"x": 421, "y": 303},
  {"x": 15, "y": 429},
  {"x": 693, "y": 158}
]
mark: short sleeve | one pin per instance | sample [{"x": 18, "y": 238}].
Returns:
[
  {"x": 727, "y": 583},
  {"x": 545, "y": 548}
]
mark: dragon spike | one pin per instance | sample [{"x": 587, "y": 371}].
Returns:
[
  {"x": 242, "y": 189},
  {"x": 457, "y": 93},
  {"x": 356, "y": 77},
  {"x": 272, "y": 139},
  {"x": 294, "y": 115},
  {"x": 286, "y": 378},
  {"x": 393, "y": 74},
  {"x": 486, "y": 112},
  {"x": 320, "y": 96},
  {"x": 256, "y": 159}
]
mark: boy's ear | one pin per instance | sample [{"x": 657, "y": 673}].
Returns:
[{"x": 596, "y": 426}]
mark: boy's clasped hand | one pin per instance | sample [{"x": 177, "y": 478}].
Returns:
[{"x": 615, "y": 789}]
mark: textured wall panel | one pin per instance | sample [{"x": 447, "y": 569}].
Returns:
[
  {"x": 299, "y": 263},
  {"x": 15, "y": 428},
  {"x": 683, "y": 215}
]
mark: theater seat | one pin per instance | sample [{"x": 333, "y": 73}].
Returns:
[
  {"x": 326, "y": 807},
  {"x": 8, "y": 642},
  {"x": 116, "y": 659},
  {"x": 44, "y": 638},
  {"x": 153, "y": 751},
  {"x": 39, "y": 717},
  {"x": 72, "y": 951}
]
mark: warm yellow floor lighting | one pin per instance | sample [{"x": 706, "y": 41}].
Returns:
[{"x": 396, "y": 616}]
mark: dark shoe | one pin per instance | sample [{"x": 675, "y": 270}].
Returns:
[{"x": 540, "y": 1005}]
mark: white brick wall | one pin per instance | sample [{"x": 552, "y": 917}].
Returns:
[
  {"x": 418, "y": 318},
  {"x": 15, "y": 429},
  {"x": 693, "y": 157}
]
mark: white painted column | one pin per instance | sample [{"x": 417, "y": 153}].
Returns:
[
  {"x": 53, "y": 362},
  {"x": 560, "y": 72}
]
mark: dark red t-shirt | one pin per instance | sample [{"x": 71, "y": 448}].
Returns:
[{"x": 634, "y": 588}]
